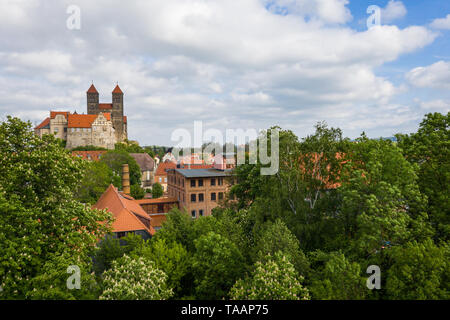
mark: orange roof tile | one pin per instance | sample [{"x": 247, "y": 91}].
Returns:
[
  {"x": 92, "y": 89},
  {"x": 44, "y": 123},
  {"x": 157, "y": 200},
  {"x": 84, "y": 120},
  {"x": 54, "y": 113},
  {"x": 117, "y": 90},
  {"x": 129, "y": 215}
]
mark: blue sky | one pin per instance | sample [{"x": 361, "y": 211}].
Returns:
[{"x": 261, "y": 63}]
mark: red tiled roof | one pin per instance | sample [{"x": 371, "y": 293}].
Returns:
[
  {"x": 129, "y": 215},
  {"x": 94, "y": 155},
  {"x": 162, "y": 167},
  {"x": 54, "y": 113},
  {"x": 105, "y": 106},
  {"x": 117, "y": 90},
  {"x": 44, "y": 123},
  {"x": 92, "y": 89},
  {"x": 157, "y": 200},
  {"x": 84, "y": 120}
]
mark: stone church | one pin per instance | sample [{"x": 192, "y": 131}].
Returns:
[{"x": 104, "y": 125}]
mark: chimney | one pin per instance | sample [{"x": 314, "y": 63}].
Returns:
[{"x": 125, "y": 179}]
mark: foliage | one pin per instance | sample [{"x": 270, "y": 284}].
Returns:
[
  {"x": 40, "y": 219},
  {"x": 114, "y": 159},
  {"x": 217, "y": 264},
  {"x": 97, "y": 177},
  {"x": 135, "y": 279},
  {"x": 419, "y": 271},
  {"x": 89, "y": 148},
  {"x": 277, "y": 237},
  {"x": 274, "y": 279},
  {"x": 429, "y": 150},
  {"x": 336, "y": 278},
  {"x": 157, "y": 190},
  {"x": 137, "y": 192},
  {"x": 172, "y": 258}
]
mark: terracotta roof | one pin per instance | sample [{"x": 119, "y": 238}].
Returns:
[
  {"x": 117, "y": 90},
  {"x": 43, "y": 124},
  {"x": 145, "y": 162},
  {"x": 128, "y": 214},
  {"x": 157, "y": 219},
  {"x": 89, "y": 155},
  {"x": 84, "y": 120},
  {"x": 157, "y": 200},
  {"x": 104, "y": 106},
  {"x": 162, "y": 167},
  {"x": 54, "y": 113},
  {"x": 92, "y": 89}
]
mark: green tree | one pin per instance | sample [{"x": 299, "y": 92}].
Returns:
[
  {"x": 116, "y": 158},
  {"x": 135, "y": 279},
  {"x": 172, "y": 258},
  {"x": 217, "y": 264},
  {"x": 419, "y": 271},
  {"x": 274, "y": 279},
  {"x": 40, "y": 218},
  {"x": 276, "y": 237},
  {"x": 97, "y": 177},
  {"x": 429, "y": 150},
  {"x": 336, "y": 278},
  {"x": 137, "y": 192},
  {"x": 157, "y": 190}
]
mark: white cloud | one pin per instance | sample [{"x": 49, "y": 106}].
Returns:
[
  {"x": 394, "y": 10},
  {"x": 436, "y": 75},
  {"x": 442, "y": 23},
  {"x": 438, "y": 105},
  {"x": 182, "y": 60}
]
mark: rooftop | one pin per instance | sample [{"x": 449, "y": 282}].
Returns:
[{"x": 202, "y": 173}]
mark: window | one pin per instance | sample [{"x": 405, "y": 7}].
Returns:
[
  {"x": 192, "y": 183},
  {"x": 160, "y": 179},
  {"x": 200, "y": 183},
  {"x": 200, "y": 197},
  {"x": 121, "y": 234},
  {"x": 65, "y": 129},
  {"x": 160, "y": 207},
  {"x": 213, "y": 196},
  {"x": 220, "y": 195},
  {"x": 165, "y": 180},
  {"x": 213, "y": 182},
  {"x": 193, "y": 198},
  {"x": 220, "y": 181},
  {"x": 200, "y": 212},
  {"x": 193, "y": 213},
  {"x": 55, "y": 130}
]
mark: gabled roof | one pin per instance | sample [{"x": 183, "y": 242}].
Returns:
[
  {"x": 128, "y": 214},
  {"x": 92, "y": 89},
  {"x": 53, "y": 114},
  {"x": 145, "y": 162},
  {"x": 44, "y": 124},
  {"x": 163, "y": 166},
  {"x": 117, "y": 90},
  {"x": 84, "y": 120}
]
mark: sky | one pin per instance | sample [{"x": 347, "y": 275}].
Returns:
[{"x": 247, "y": 64}]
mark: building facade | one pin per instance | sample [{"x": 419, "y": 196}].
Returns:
[
  {"x": 104, "y": 125},
  {"x": 198, "y": 191}
]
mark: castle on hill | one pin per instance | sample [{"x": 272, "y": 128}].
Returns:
[{"x": 104, "y": 125}]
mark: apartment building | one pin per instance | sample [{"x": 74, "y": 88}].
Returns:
[{"x": 198, "y": 190}]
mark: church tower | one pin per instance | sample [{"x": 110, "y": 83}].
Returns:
[
  {"x": 117, "y": 113},
  {"x": 92, "y": 100}
]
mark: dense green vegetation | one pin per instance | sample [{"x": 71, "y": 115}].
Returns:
[{"x": 310, "y": 231}]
